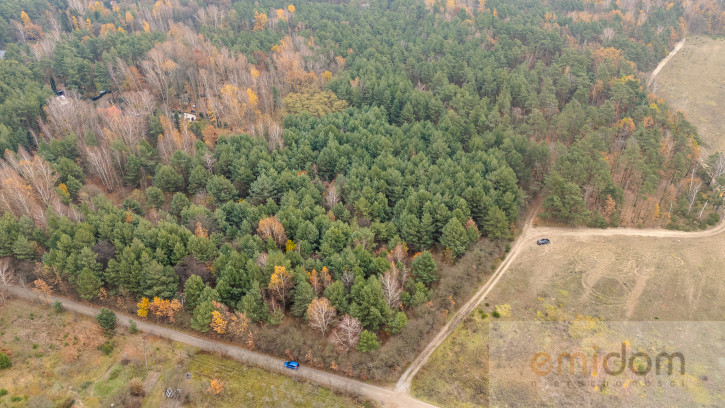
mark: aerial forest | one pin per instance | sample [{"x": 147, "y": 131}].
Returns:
[{"x": 307, "y": 179}]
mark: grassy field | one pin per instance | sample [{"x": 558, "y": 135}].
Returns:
[
  {"x": 613, "y": 279},
  {"x": 694, "y": 82},
  {"x": 57, "y": 358}
]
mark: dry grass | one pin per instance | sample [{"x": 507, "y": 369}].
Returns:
[
  {"x": 56, "y": 357},
  {"x": 621, "y": 278},
  {"x": 616, "y": 279},
  {"x": 694, "y": 82}
]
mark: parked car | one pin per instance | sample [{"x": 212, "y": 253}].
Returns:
[
  {"x": 543, "y": 241},
  {"x": 292, "y": 365}
]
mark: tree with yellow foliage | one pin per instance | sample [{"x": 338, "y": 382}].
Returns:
[
  {"x": 291, "y": 8},
  {"x": 143, "y": 307},
  {"x": 32, "y": 31},
  {"x": 129, "y": 19},
  {"x": 260, "y": 21},
  {"x": 252, "y": 97},
  {"x": 280, "y": 283},
  {"x": 218, "y": 324}
]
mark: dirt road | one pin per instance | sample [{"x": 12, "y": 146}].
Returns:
[
  {"x": 399, "y": 396},
  {"x": 528, "y": 236},
  {"x": 387, "y": 397},
  {"x": 664, "y": 62}
]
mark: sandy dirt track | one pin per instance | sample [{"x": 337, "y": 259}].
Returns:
[
  {"x": 528, "y": 237},
  {"x": 387, "y": 397}
]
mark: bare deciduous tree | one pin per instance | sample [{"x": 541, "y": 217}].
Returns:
[
  {"x": 6, "y": 279},
  {"x": 347, "y": 333},
  {"x": 332, "y": 197},
  {"x": 391, "y": 287},
  {"x": 717, "y": 167},
  {"x": 692, "y": 195},
  {"x": 321, "y": 314}
]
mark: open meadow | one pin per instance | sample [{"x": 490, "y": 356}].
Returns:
[
  {"x": 693, "y": 81},
  {"x": 664, "y": 280},
  {"x": 59, "y": 360}
]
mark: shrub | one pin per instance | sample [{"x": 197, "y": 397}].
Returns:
[
  {"x": 155, "y": 196},
  {"x": 496, "y": 314},
  {"x": 368, "y": 342},
  {"x": 132, "y": 327},
  {"x": 5, "y": 361},
  {"x": 107, "y": 319},
  {"x": 57, "y": 306},
  {"x": 132, "y": 205},
  {"x": 107, "y": 347},
  {"x": 3, "y": 392},
  {"x": 136, "y": 387}
]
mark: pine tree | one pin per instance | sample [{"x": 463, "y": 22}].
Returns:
[
  {"x": 88, "y": 283},
  {"x": 193, "y": 289},
  {"x": 252, "y": 304},
  {"x": 161, "y": 281},
  {"x": 302, "y": 295},
  {"x": 24, "y": 249},
  {"x": 368, "y": 303},
  {"x": 496, "y": 224},
  {"x": 424, "y": 268},
  {"x": 201, "y": 318},
  {"x": 454, "y": 237},
  {"x": 197, "y": 179},
  {"x": 368, "y": 342}
]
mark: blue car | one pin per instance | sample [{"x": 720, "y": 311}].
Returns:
[
  {"x": 292, "y": 365},
  {"x": 542, "y": 241}
]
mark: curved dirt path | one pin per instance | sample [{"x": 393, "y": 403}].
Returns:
[
  {"x": 664, "y": 62},
  {"x": 387, "y": 397},
  {"x": 527, "y": 237},
  {"x": 403, "y": 384}
]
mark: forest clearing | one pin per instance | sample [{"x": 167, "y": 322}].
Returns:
[
  {"x": 612, "y": 278},
  {"x": 694, "y": 82}
]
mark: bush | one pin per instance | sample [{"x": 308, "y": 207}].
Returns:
[
  {"x": 132, "y": 205},
  {"x": 57, "y": 306},
  {"x": 155, "y": 196},
  {"x": 136, "y": 388},
  {"x": 107, "y": 347},
  {"x": 496, "y": 314},
  {"x": 107, "y": 319},
  {"x": 5, "y": 361},
  {"x": 368, "y": 342},
  {"x": 132, "y": 327},
  {"x": 3, "y": 392}
]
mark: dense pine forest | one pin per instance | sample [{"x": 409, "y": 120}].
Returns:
[{"x": 303, "y": 178}]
